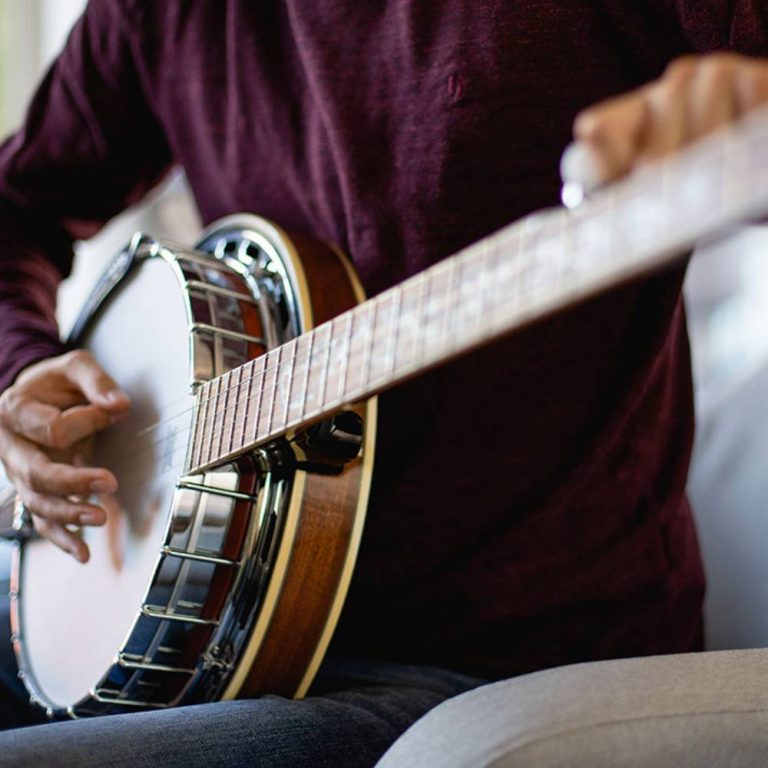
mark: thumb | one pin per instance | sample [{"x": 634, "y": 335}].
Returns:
[
  {"x": 97, "y": 386},
  {"x": 613, "y": 131}
]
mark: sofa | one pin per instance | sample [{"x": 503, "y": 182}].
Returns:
[{"x": 707, "y": 710}]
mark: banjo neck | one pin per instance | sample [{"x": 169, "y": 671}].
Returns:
[{"x": 522, "y": 273}]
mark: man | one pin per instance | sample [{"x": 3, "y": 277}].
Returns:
[{"x": 536, "y": 520}]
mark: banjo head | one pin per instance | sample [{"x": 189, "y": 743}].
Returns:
[{"x": 74, "y": 617}]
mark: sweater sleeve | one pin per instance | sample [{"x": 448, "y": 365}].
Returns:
[
  {"x": 90, "y": 145},
  {"x": 718, "y": 25}
]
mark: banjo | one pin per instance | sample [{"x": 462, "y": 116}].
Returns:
[{"x": 245, "y": 465}]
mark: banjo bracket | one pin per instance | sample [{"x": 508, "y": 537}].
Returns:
[{"x": 328, "y": 446}]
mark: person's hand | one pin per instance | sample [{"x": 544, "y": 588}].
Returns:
[
  {"x": 696, "y": 95},
  {"x": 46, "y": 419}
]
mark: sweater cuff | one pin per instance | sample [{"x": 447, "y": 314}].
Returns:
[{"x": 24, "y": 355}]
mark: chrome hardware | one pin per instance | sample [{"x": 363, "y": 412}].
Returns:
[
  {"x": 15, "y": 519},
  {"x": 340, "y": 438},
  {"x": 141, "y": 246},
  {"x": 102, "y": 696},
  {"x": 225, "y": 334},
  {"x": 198, "y": 557},
  {"x": 22, "y": 519},
  {"x": 190, "y": 486},
  {"x": 217, "y": 290},
  {"x": 245, "y": 245},
  {"x": 325, "y": 447},
  {"x": 133, "y": 661},
  {"x": 218, "y": 659},
  {"x": 156, "y": 612}
]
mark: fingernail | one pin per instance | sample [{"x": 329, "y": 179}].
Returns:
[
  {"x": 116, "y": 397},
  {"x": 81, "y": 557},
  {"x": 90, "y": 518},
  {"x": 103, "y": 486}
]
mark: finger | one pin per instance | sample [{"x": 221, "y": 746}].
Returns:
[
  {"x": 46, "y": 425},
  {"x": 63, "y": 538},
  {"x": 61, "y": 511},
  {"x": 751, "y": 86},
  {"x": 27, "y": 417},
  {"x": 612, "y": 130},
  {"x": 667, "y": 126},
  {"x": 76, "y": 424},
  {"x": 58, "y": 479},
  {"x": 713, "y": 98},
  {"x": 97, "y": 386},
  {"x": 27, "y": 464}
]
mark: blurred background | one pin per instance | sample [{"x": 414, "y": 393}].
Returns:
[
  {"x": 31, "y": 34},
  {"x": 727, "y": 299}
]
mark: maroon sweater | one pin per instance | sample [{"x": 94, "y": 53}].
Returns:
[{"x": 530, "y": 516}]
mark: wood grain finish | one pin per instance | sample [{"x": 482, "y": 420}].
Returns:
[{"x": 325, "y": 522}]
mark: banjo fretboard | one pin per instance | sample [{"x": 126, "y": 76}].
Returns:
[{"x": 524, "y": 272}]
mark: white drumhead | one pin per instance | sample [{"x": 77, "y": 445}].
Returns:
[{"x": 74, "y": 618}]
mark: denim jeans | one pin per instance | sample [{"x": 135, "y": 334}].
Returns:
[{"x": 355, "y": 711}]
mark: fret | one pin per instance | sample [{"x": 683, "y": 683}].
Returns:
[
  {"x": 305, "y": 383},
  {"x": 536, "y": 275},
  {"x": 436, "y": 310},
  {"x": 641, "y": 218},
  {"x": 472, "y": 278},
  {"x": 234, "y": 401},
  {"x": 380, "y": 322},
  {"x": 504, "y": 293},
  {"x": 225, "y": 383},
  {"x": 230, "y": 410},
  {"x": 207, "y": 430},
  {"x": 394, "y": 329},
  {"x": 408, "y": 327},
  {"x": 553, "y": 252},
  {"x": 343, "y": 354},
  {"x": 275, "y": 366},
  {"x": 199, "y": 426},
  {"x": 420, "y": 335},
  {"x": 326, "y": 344},
  {"x": 267, "y": 392},
  {"x": 465, "y": 309},
  {"x": 333, "y": 365},
  {"x": 247, "y": 405},
  {"x": 483, "y": 270},
  {"x": 363, "y": 335},
  {"x": 559, "y": 277},
  {"x": 317, "y": 364},
  {"x": 212, "y": 420},
  {"x": 254, "y": 396},
  {"x": 298, "y": 384},
  {"x": 246, "y": 402},
  {"x": 192, "y": 443},
  {"x": 286, "y": 379},
  {"x": 590, "y": 242},
  {"x": 608, "y": 256},
  {"x": 451, "y": 331},
  {"x": 524, "y": 282}
]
